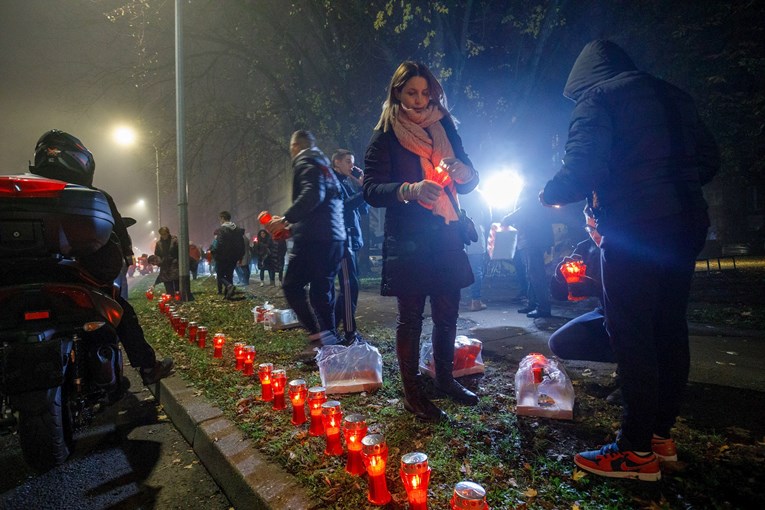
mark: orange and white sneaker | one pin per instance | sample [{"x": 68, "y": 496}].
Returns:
[
  {"x": 664, "y": 448},
  {"x": 610, "y": 462}
]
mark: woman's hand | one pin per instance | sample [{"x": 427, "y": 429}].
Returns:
[
  {"x": 424, "y": 191},
  {"x": 457, "y": 170}
]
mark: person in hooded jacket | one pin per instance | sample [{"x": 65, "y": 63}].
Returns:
[
  {"x": 415, "y": 166},
  {"x": 229, "y": 249},
  {"x": 639, "y": 153},
  {"x": 315, "y": 222}
]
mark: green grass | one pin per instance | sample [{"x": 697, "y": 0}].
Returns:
[{"x": 522, "y": 462}]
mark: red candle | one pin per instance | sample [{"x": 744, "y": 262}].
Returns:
[
  {"x": 415, "y": 473},
  {"x": 354, "y": 429},
  {"x": 201, "y": 336},
  {"x": 150, "y": 293},
  {"x": 239, "y": 355},
  {"x": 278, "y": 384},
  {"x": 374, "y": 451},
  {"x": 574, "y": 271},
  {"x": 264, "y": 374},
  {"x": 177, "y": 295},
  {"x": 332, "y": 418},
  {"x": 161, "y": 304},
  {"x": 249, "y": 360},
  {"x": 298, "y": 391},
  {"x": 182, "y": 323},
  {"x": 264, "y": 217},
  {"x": 174, "y": 318},
  {"x": 218, "y": 340},
  {"x": 316, "y": 398},
  {"x": 469, "y": 496},
  {"x": 192, "y": 329}
]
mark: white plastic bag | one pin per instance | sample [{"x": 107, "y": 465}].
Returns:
[
  {"x": 280, "y": 319},
  {"x": 542, "y": 388},
  {"x": 502, "y": 242},
  {"x": 351, "y": 369},
  {"x": 467, "y": 357}
]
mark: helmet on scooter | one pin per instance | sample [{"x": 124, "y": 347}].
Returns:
[{"x": 59, "y": 155}]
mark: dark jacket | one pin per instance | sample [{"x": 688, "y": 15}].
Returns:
[
  {"x": 167, "y": 251},
  {"x": 421, "y": 253},
  {"x": 636, "y": 146},
  {"x": 229, "y": 243},
  {"x": 353, "y": 207},
  {"x": 316, "y": 213}
]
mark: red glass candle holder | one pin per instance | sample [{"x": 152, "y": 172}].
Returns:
[
  {"x": 174, "y": 318},
  {"x": 316, "y": 398},
  {"x": 264, "y": 374},
  {"x": 192, "y": 330},
  {"x": 469, "y": 496},
  {"x": 177, "y": 295},
  {"x": 278, "y": 385},
  {"x": 183, "y": 322},
  {"x": 264, "y": 217},
  {"x": 332, "y": 418},
  {"x": 161, "y": 305},
  {"x": 249, "y": 360},
  {"x": 573, "y": 271},
  {"x": 218, "y": 340},
  {"x": 354, "y": 429},
  {"x": 374, "y": 451},
  {"x": 169, "y": 310},
  {"x": 150, "y": 293},
  {"x": 298, "y": 392},
  {"x": 415, "y": 473},
  {"x": 201, "y": 337},
  {"x": 239, "y": 355}
]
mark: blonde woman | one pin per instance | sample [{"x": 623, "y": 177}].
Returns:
[{"x": 414, "y": 167}]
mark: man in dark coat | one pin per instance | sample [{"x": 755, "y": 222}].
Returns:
[
  {"x": 639, "y": 153},
  {"x": 315, "y": 220},
  {"x": 350, "y": 178}
]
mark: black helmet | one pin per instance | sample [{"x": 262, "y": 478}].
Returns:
[{"x": 59, "y": 155}]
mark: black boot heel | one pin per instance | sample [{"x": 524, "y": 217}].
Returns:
[{"x": 458, "y": 393}]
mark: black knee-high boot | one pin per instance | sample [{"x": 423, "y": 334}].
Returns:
[
  {"x": 407, "y": 350},
  {"x": 443, "y": 358}
]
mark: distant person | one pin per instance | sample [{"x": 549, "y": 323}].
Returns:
[
  {"x": 166, "y": 252},
  {"x": 639, "y": 153},
  {"x": 535, "y": 237},
  {"x": 266, "y": 253},
  {"x": 61, "y": 156},
  {"x": 315, "y": 220},
  {"x": 243, "y": 264},
  {"x": 350, "y": 177},
  {"x": 414, "y": 163},
  {"x": 478, "y": 209},
  {"x": 195, "y": 256},
  {"x": 281, "y": 252},
  {"x": 229, "y": 249}
]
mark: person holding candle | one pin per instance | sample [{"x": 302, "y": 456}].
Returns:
[
  {"x": 166, "y": 252},
  {"x": 315, "y": 220},
  {"x": 639, "y": 153},
  {"x": 415, "y": 167}
]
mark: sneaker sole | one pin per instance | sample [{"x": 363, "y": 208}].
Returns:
[{"x": 633, "y": 475}]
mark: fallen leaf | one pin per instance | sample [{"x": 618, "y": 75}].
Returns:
[
  {"x": 578, "y": 474},
  {"x": 732, "y": 353},
  {"x": 530, "y": 493},
  {"x": 587, "y": 372}
]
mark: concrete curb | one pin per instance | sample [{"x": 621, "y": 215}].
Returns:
[{"x": 244, "y": 475}]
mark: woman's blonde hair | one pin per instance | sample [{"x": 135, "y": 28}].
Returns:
[{"x": 407, "y": 70}]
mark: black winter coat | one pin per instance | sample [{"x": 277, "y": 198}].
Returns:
[
  {"x": 636, "y": 146},
  {"x": 316, "y": 213},
  {"x": 353, "y": 207},
  {"x": 421, "y": 253}
]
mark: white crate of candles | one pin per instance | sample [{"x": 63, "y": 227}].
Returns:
[
  {"x": 542, "y": 388},
  {"x": 502, "y": 242},
  {"x": 350, "y": 369},
  {"x": 277, "y": 319},
  {"x": 467, "y": 357}
]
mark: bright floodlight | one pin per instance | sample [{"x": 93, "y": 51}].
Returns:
[
  {"x": 124, "y": 135},
  {"x": 502, "y": 189},
  {"x": 141, "y": 202}
]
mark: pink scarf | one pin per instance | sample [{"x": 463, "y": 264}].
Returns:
[{"x": 423, "y": 135}]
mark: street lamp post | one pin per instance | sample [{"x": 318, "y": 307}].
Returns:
[{"x": 156, "y": 163}]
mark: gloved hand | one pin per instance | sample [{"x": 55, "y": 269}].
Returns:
[
  {"x": 458, "y": 170},
  {"x": 424, "y": 191}
]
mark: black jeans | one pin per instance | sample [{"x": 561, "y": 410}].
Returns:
[
  {"x": 646, "y": 282},
  {"x": 314, "y": 263},
  {"x": 583, "y": 338},
  {"x": 225, "y": 273},
  {"x": 444, "y": 312},
  {"x": 348, "y": 294},
  {"x": 139, "y": 352}
]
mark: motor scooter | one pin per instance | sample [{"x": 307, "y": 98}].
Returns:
[{"x": 60, "y": 361}]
